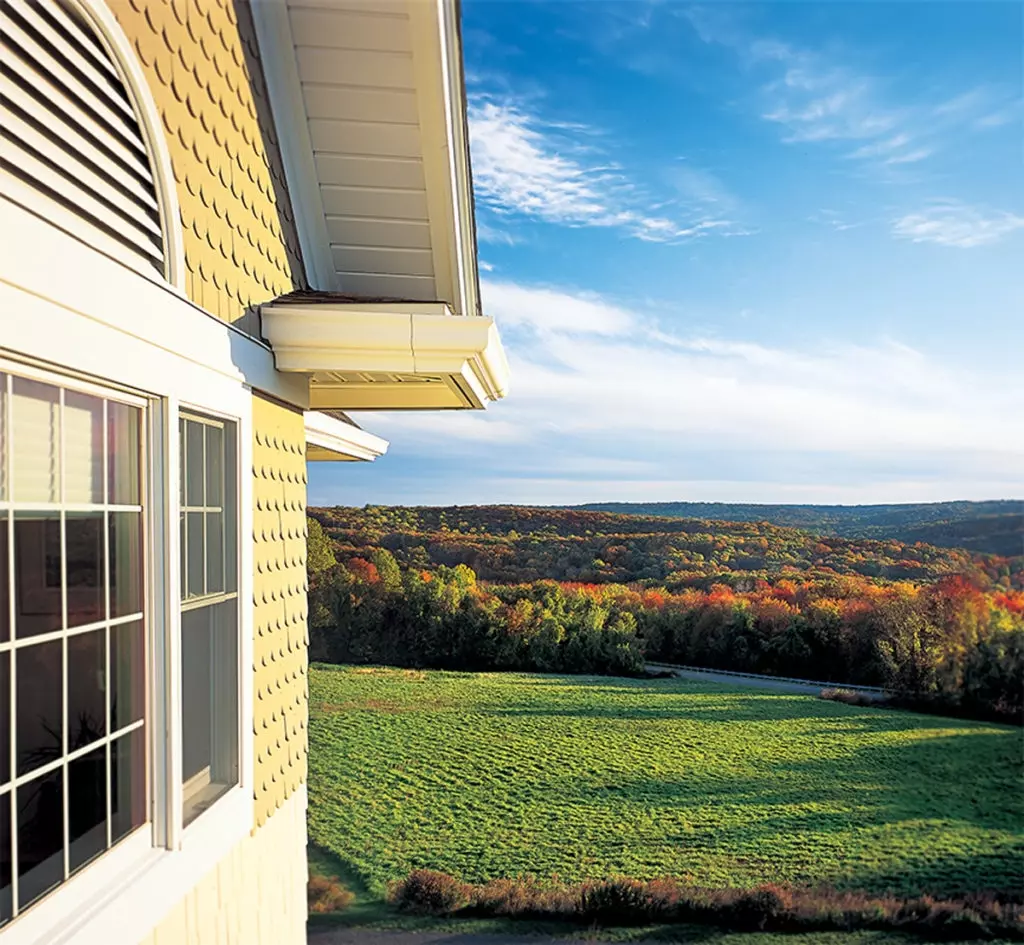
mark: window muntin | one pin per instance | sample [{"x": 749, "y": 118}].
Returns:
[
  {"x": 210, "y": 619},
  {"x": 72, "y": 632}
]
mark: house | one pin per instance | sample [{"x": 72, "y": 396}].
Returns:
[{"x": 223, "y": 227}]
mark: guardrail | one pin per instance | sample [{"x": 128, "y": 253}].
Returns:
[{"x": 788, "y": 679}]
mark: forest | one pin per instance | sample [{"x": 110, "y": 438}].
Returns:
[
  {"x": 995, "y": 527},
  {"x": 591, "y": 592},
  {"x": 514, "y": 544}
]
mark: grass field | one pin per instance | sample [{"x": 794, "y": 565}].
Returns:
[{"x": 494, "y": 775}]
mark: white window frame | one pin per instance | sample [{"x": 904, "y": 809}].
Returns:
[{"x": 96, "y": 317}]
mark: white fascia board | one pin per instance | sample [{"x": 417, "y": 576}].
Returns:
[
  {"x": 329, "y": 439},
  {"x": 441, "y": 103}
]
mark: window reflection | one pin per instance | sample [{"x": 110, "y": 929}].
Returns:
[
  {"x": 85, "y": 568},
  {"x": 124, "y": 428},
  {"x": 87, "y": 807},
  {"x": 128, "y": 784},
  {"x": 87, "y": 698},
  {"x": 125, "y": 543},
  {"x": 37, "y": 577},
  {"x": 35, "y": 430},
  {"x": 127, "y": 674},
  {"x": 40, "y": 712},
  {"x": 40, "y": 836},
  {"x": 83, "y": 448}
]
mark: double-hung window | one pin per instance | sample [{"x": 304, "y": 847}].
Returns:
[
  {"x": 73, "y": 631},
  {"x": 87, "y": 696},
  {"x": 209, "y": 610}
]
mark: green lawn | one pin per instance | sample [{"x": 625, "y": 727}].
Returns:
[{"x": 489, "y": 775}]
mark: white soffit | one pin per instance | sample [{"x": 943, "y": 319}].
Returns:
[
  {"x": 369, "y": 100},
  {"x": 329, "y": 440},
  {"x": 397, "y": 355}
]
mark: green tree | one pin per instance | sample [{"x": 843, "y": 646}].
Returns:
[
  {"x": 387, "y": 569},
  {"x": 319, "y": 554}
]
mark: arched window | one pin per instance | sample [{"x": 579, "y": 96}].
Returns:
[{"x": 74, "y": 144}]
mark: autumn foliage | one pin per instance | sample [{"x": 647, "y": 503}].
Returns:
[{"x": 951, "y": 637}]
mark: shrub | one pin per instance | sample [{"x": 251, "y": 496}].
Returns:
[
  {"x": 766, "y": 907},
  {"x": 617, "y": 902},
  {"x": 327, "y": 895},
  {"x": 429, "y": 892},
  {"x": 773, "y": 908},
  {"x": 852, "y": 697}
]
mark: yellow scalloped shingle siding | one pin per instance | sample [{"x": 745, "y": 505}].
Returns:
[
  {"x": 279, "y": 604},
  {"x": 200, "y": 58}
]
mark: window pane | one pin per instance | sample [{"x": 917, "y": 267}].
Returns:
[
  {"x": 127, "y": 674},
  {"x": 125, "y": 563},
  {"x": 194, "y": 464},
  {"x": 37, "y": 573},
  {"x": 5, "y": 858},
  {"x": 36, "y": 441},
  {"x": 87, "y": 690},
  {"x": 124, "y": 427},
  {"x": 214, "y": 553},
  {"x": 83, "y": 448},
  {"x": 214, "y": 466},
  {"x": 40, "y": 836},
  {"x": 5, "y": 717},
  {"x": 181, "y": 461},
  {"x": 197, "y": 689},
  {"x": 87, "y": 807},
  {"x": 40, "y": 713},
  {"x": 5, "y": 583},
  {"x": 85, "y": 571},
  {"x": 128, "y": 783},
  {"x": 3, "y": 452},
  {"x": 209, "y": 658},
  {"x": 194, "y": 553}
]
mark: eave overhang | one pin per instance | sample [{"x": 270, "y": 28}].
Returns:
[
  {"x": 388, "y": 355},
  {"x": 331, "y": 440},
  {"x": 369, "y": 103}
]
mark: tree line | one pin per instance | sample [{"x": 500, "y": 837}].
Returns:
[{"x": 955, "y": 643}]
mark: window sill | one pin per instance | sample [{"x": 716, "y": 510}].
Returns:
[{"x": 124, "y": 894}]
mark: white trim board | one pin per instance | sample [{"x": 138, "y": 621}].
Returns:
[
  {"x": 64, "y": 303},
  {"x": 328, "y": 439}
]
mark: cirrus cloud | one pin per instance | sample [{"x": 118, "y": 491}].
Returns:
[{"x": 955, "y": 223}]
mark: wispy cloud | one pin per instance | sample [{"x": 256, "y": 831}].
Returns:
[
  {"x": 817, "y": 98},
  {"x": 589, "y": 372},
  {"x": 954, "y": 223},
  {"x": 524, "y": 166}
]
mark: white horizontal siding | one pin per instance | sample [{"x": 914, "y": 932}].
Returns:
[
  {"x": 355, "y": 64},
  {"x": 413, "y": 262},
  {"x": 396, "y": 234},
  {"x": 360, "y": 171},
  {"x": 345, "y": 200},
  {"x": 388, "y": 285},
  {"x": 363, "y": 29},
  {"x": 384, "y": 70},
  {"x": 356, "y": 103},
  {"x": 375, "y": 139}
]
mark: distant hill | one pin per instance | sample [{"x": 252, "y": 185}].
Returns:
[
  {"x": 520, "y": 544},
  {"x": 995, "y": 527}
]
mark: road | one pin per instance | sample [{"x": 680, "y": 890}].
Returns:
[{"x": 758, "y": 682}]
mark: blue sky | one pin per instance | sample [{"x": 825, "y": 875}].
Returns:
[{"x": 768, "y": 252}]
